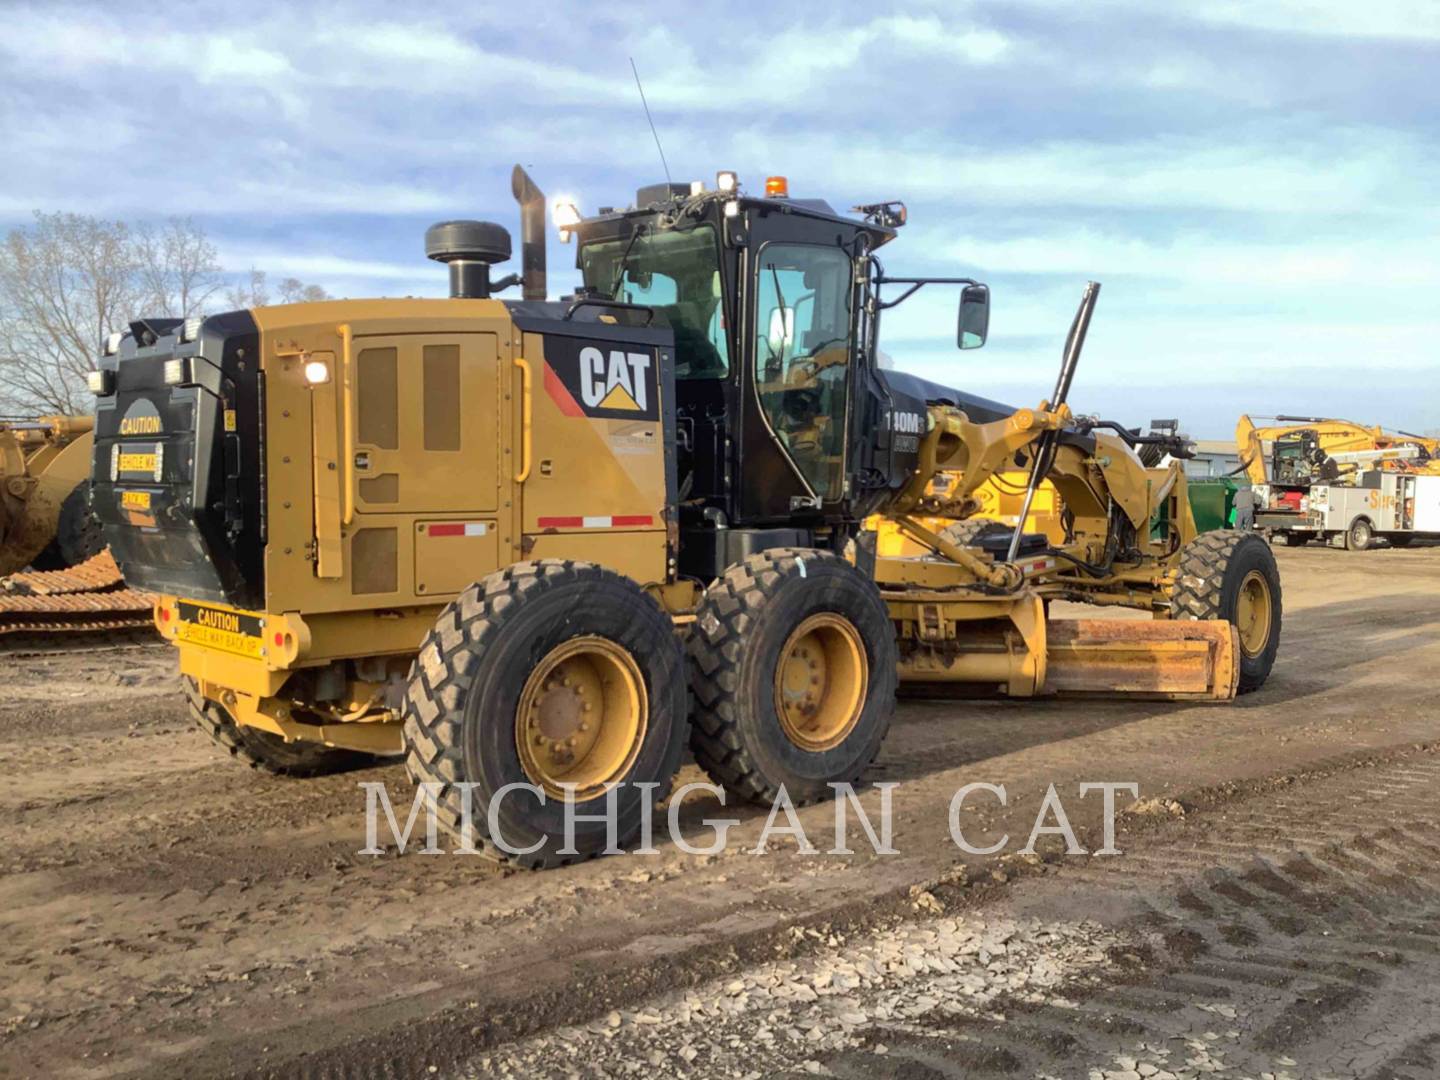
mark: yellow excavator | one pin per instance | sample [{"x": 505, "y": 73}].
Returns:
[
  {"x": 1289, "y": 456},
  {"x": 1297, "y": 451}
]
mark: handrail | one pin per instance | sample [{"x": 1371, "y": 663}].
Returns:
[
  {"x": 600, "y": 301},
  {"x": 526, "y": 403},
  {"x": 347, "y": 450}
]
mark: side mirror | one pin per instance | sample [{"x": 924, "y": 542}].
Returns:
[{"x": 974, "y": 321}]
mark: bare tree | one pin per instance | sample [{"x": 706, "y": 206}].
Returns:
[
  {"x": 178, "y": 268},
  {"x": 68, "y": 281},
  {"x": 248, "y": 292},
  {"x": 64, "y": 285},
  {"x": 254, "y": 291},
  {"x": 295, "y": 291}
]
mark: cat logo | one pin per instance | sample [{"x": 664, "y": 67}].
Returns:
[
  {"x": 602, "y": 380},
  {"x": 618, "y": 382}
]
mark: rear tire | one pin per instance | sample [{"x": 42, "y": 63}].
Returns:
[
  {"x": 1400, "y": 540},
  {"x": 78, "y": 534},
  {"x": 1294, "y": 539},
  {"x": 1360, "y": 536},
  {"x": 793, "y": 670},
  {"x": 265, "y": 750},
  {"x": 1232, "y": 576},
  {"x": 522, "y": 661}
]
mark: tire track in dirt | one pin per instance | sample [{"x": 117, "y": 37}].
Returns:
[{"x": 1225, "y": 948}]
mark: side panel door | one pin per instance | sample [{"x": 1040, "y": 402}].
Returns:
[{"x": 426, "y": 416}]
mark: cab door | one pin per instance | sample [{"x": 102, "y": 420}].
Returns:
[{"x": 802, "y": 350}]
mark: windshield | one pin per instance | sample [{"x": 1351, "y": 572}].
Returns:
[{"x": 677, "y": 274}]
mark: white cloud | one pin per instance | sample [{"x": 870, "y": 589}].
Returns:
[
  {"x": 1398, "y": 259},
  {"x": 1417, "y": 20},
  {"x": 1356, "y": 168},
  {"x": 294, "y": 56},
  {"x": 321, "y": 266},
  {"x": 1192, "y": 164},
  {"x": 292, "y": 192},
  {"x": 1414, "y": 19}
]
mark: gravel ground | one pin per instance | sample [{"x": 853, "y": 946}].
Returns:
[
  {"x": 1313, "y": 954},
  {"x": 165, "y": 912}
]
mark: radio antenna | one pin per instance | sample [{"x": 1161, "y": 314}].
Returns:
[{"x": 650, "y": 119}]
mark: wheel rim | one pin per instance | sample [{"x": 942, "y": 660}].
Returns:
[
  {"x": 1361, "y": 532},
  {"x": 1252, "y": 613},
  {"x": 582, "y": 717},
  {"x": 820, "y": 682}
]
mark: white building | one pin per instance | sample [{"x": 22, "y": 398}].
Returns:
[{"x": 1213, "y": 458}]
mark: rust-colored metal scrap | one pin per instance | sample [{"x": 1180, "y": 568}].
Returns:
[{"x": 91, "y": 596}]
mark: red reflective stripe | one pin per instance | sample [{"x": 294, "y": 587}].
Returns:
[
  {"x": 562, "y": 397},
  {"x": 447, "y": 530},
  {"x": 597, "y": 522}
]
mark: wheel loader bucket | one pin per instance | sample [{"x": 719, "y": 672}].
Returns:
[
  {"x": 1165, "y": 659},
  {"x": 34, "y": 484}
]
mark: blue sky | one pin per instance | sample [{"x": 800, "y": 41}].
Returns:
[{"x": 1257, "y": 184}]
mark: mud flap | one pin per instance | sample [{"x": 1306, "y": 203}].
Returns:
[{"x": 1175, "y": 660}]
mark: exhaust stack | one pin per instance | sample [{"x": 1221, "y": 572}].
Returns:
[{"x": 532, "y": 233}]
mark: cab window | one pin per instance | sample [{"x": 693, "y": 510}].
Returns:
[
  {"x": 802, "y": 356},
  {"x": 677, "y": 274}
]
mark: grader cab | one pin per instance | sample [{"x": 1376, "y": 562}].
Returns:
[{"x": 502, "y": 537}]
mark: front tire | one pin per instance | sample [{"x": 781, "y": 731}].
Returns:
[
  {"x": 1232, "y": 576},
  {"x": 545, "y": 674},
  {"x": 793, "y": 671}
]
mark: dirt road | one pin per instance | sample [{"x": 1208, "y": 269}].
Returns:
[
  {"x": 165, "y": 911},
  {"x": 1294, "y": 934}
]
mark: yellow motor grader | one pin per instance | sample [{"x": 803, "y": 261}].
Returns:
[{"x": 554, "y": 543}]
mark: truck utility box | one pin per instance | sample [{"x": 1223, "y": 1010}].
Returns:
[{"x": 1393, "y": 506}]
